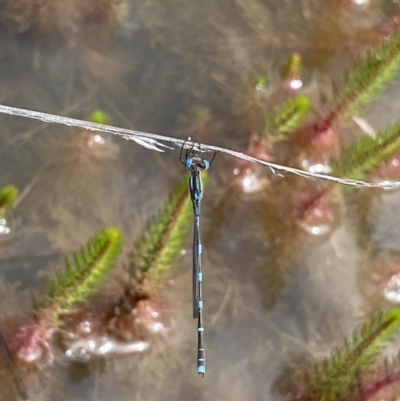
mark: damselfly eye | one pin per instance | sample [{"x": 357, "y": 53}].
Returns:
[
  {"x": 188, "y": 162},
  {"x": 205, "y": 165}
]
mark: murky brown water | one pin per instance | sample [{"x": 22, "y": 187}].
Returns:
[{"x": 274, "y": 295}]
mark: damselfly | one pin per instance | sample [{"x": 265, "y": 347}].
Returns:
[{"x": 194, "y": 161}]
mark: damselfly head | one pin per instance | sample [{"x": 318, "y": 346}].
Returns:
[
  {"x": 204, "y": 164},
  {"x": 197, "y": 162},
  {"x": 200, "y": 163}
]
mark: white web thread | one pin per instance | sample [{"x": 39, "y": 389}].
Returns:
[{"x": 154, "y": 142}]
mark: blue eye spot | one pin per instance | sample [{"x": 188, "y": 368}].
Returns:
[
  {"x": 206, "y": 164},
  {"x": 188, "y": 162}
]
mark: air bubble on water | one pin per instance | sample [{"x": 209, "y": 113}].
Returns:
[
  {"x": 295, "y": 84},
  {"x": 158, "y": 328},
  {"x": 106, "y": 348},
  {"x": 392, "y": 289},
  {"x": 316, "y": 230},
  {"x": 97, "y": 140},
  {"x": 5, "y": 227},
  {"x": 316, "y": 168},
  {"x": 250, "y": 182},
  {"x": 32, "y": 354},
  {"x": 85, "y": 326},
  {"x": 85, "y": 348}
]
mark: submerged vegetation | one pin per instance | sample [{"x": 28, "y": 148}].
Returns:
[
  {"x": 114, "y": 301},
  {"x": 151, "y": 263},
  {"x": 90, "y": 268},
  {"x": 156, "y": 253},
  {"x": 8, "y": 196}
]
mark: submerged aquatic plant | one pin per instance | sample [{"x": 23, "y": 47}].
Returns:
[
  {"x": 128, "y": 324},
  {"x": 153, "y": 259},
  {"x": 8, "y": 196},
  {"x": 260, "y": 83},
  {"x": 292, "y": 72},
  {"x": 62, "y": 293},
  {"x": 367, "y": 154},
  {"x": 338, "y": 377},
  {"x": 315, "y": 207},
  {"x": 370, "y": 75},
  {"x": 156, "y": 252},
  {"x": 135, "y": 315},
  {"x": 99, "y": 117},
  {"x": 319, "y": 141},
  {"x": 367, "y": 78},
  {"x": 91, "y": 266},
  {"x": 288, "y": 117}
]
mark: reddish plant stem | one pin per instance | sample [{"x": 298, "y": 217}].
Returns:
[{"x": 378, "y": 385}]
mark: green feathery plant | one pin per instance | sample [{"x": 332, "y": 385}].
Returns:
[
  {"x": 8, "y": 196},
  {"x": 157, "y": 250},
  {"x": 92, "y": 264},
  {"x": 334, "y": 379},
  {"x": 293, "y": 66},
  {"x": 367, "y": 154},
  {"x": 260, "y": 83},
  {"x": 288, "y": 117},
  {"x": 99, "y": 117},
  {"x": 370, "y": 76},
  {"x": 201, "y": 113}
]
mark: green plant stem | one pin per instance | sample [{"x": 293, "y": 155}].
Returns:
[
  {"x": 92, "y": 264},
  {"x": 155, "y": 254},
  {"x": 367, "y": 154},
  {"x": 369, "y": 77},
  {"x": 287, "y": 118},
  {"x": 8, "y": 196},
  {"x": 334, "y": 379}
]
